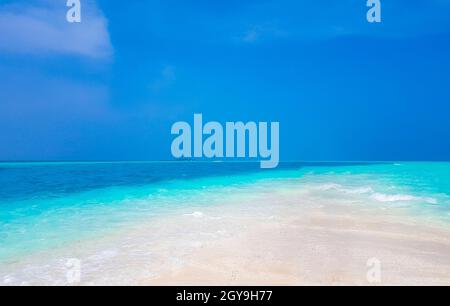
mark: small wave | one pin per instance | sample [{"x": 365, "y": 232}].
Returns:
[
  {"x": 330, "y": 186},
  {"x": 381, "y": 197},
  {"x": 337, "y": 187},
  {"x": 196, "y": 214},
  {"x": 361, "y": 190}
]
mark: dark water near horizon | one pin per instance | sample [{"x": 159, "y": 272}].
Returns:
[{"x": 24, "y": 180}]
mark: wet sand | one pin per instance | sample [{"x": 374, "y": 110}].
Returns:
[
  {"x": 285, "y": 236},
  {"x": 320, "y": 249}
]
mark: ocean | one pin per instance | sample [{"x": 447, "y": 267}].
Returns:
[{"x": 56, "y": 206}]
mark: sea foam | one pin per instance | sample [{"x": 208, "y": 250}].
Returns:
[{"x": 381, "y": 197}]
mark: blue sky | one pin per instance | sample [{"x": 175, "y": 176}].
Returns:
[{"x": 111, "y": 87}]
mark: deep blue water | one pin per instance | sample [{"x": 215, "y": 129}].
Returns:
[{"x": 20, "y": 181}]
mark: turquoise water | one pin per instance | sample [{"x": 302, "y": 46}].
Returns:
[{"x": 49, "y": 205}]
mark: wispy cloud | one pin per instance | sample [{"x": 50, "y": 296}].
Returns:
[
  {"x": 322, "y": 20},
  {"x": 40, "y": 27},
  {"x": 166, "y": 78},
  {"x": 262, "y": 32}
]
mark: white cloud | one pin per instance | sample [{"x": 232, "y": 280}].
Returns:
[{"x": 40, "y": 27}]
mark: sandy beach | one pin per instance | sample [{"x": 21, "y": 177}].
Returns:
[
  {"x": 314, "y": 247},
  {"x": 242, "y": 244},
  {"x": 319, "y": 249},
  {"x": 289, "y": 231}
]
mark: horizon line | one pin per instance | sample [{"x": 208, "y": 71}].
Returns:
[{"x": 215, "y": 161}]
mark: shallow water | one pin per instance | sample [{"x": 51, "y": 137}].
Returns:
[{"x": 47, "y": 208}]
